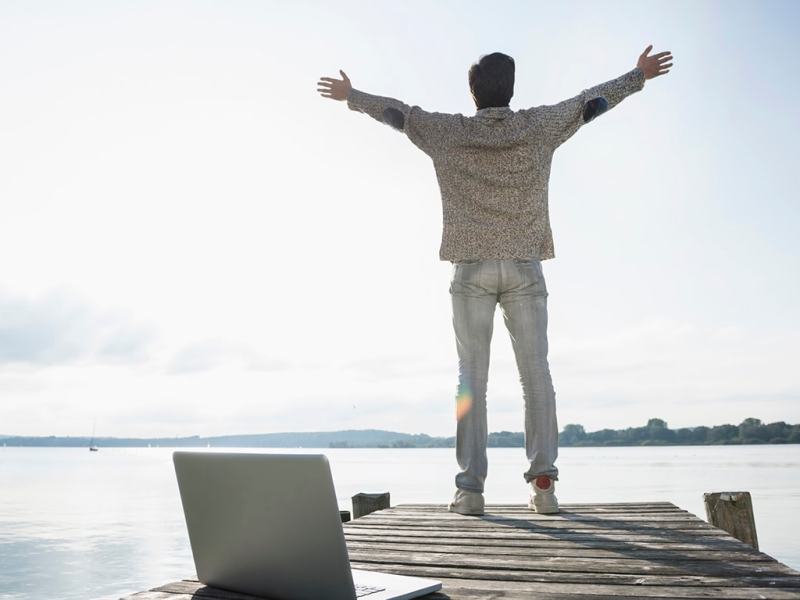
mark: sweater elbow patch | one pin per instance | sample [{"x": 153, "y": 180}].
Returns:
[
  {"x": 594, "y": 108},
  {"x": 394, "y": 118}
]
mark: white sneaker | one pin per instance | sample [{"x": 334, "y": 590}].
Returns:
[
  {"x": 543, "y": 499},
  {"x": 467, "y": 503}
]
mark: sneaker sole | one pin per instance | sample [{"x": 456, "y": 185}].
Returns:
[
  {"x": 468, "y": 513},
  {"x": 544, "y": 510}
]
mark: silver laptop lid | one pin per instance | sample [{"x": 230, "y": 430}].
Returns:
[{"x": 263, "y": 524}]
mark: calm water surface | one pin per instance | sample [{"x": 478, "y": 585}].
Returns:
[{"x": 81, "y": 525}]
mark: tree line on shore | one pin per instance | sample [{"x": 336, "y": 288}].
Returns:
[{"x": 655, "y": 433}]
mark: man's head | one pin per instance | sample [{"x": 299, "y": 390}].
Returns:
[{"x": 491, "y": 80}]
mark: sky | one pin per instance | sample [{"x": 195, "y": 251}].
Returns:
[{"x": 193, "y": 241}]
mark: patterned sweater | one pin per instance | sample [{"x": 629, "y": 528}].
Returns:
[{"x": 493, "y": 168}]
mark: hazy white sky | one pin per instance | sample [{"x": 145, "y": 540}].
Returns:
[{"x": 193, "y": 241}]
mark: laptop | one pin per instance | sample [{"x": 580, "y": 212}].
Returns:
[{"x": 269, "y": 525}]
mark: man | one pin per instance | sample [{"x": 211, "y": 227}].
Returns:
[{"x": 493, "y": 170}]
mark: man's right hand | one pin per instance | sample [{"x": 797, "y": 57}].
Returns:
[{"x": 653, "y": 66}]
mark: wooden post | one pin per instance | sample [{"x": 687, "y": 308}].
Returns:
[
  {"x": 733, "y": 512},
  {"x": 363, "y": 504},
  {"x": 344, "y": 515}
]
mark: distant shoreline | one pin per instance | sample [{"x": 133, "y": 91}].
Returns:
[{"x": 655, "y": 433}]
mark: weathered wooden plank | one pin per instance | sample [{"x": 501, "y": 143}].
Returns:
[
  {"x": 524, "y": 509},
  {"x": 555, "y": 527},
  {"x": 538, "y": 540},
  {"x": 635, "y": 503},
  {"x": 703, "y": 554},
  {"x": 522, "y": 513},
  {"x": 445, "y": 517},
  {"x": 586, "y": 566},
  {"x": 484, "y": 527},
  {"x": 546, "y": 530},
  {"x": 568, "y": 505},
  {"x": 587, "y": 536},
  {"x": 440, "y": 571},
  {"x": 533, "y": 516},
  {"x": 549, "y": 544}
]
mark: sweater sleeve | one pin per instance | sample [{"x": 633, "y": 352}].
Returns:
[
  {"x": 558, "y": 122},
  {"x": 431, "y": 132}
]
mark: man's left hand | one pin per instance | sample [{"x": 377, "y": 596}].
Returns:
[{"x": 335, "y": 89}]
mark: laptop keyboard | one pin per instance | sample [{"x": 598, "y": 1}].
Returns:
[{"x": 365, "y": 590}]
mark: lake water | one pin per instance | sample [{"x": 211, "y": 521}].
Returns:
[{"x": 76, "y": 524}]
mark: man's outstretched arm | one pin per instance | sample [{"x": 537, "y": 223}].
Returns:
[
  {"x": 386, "y": 110},
  {"x": 426, "y": 130},
  {"x": 558, "y": 122}
]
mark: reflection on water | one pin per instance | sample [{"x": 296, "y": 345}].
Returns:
[{"x": 78, "y": 525}]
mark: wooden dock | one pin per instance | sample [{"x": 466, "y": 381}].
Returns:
[{"x": 587, "y": 552}]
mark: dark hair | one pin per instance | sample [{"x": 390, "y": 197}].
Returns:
[{"x": 491, "y": 80}]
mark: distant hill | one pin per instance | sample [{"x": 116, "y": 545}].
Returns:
[
  {"x": 355, "y": 438},
  {"x": 655, "y": 433}
]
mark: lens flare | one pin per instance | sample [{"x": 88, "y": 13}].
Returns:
[{"x": 463, "y": 402}]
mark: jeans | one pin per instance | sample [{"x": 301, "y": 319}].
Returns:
[{"x": 519, "y": 286}]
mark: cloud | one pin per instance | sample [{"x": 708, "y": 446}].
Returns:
[
  {"x": 383, "y": 367},
  {"x": 209, "y": 354},
  {"x": 60, "y": 327}
]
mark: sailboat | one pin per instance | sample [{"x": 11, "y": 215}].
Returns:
[{"x": 92, "y": 447}]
